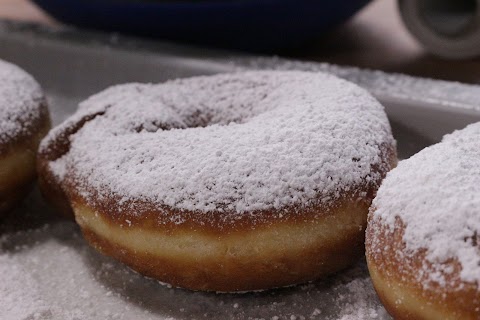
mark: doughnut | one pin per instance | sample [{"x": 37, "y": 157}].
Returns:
[
  {"x": 24, "y": 121},
  {"x": 233, "y": 182},
  {"x": 423, "y": 234}
]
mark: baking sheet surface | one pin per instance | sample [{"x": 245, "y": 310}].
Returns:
[{"x": 49, "y": 272}]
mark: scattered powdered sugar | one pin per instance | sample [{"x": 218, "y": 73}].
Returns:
[
  {"x": 20, "y": 96},
  {"x": 59, "y": 277},
  {"x": 239, "y": 142},
  {"x": 361, "y": 308},
  {"x": 20, "y": 295},
  {"x": 50, "y": 273},
  {"x": 383, "y": 85},
  {"x": 436, "y": 195}
]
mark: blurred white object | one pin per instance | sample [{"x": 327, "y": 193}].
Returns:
[{"x": 446, "y": 28}]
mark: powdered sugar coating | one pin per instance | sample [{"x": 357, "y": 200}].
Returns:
[
  {"x": 234, "y": 142},
  {"x": 435, "y": 193},
  {"x": 20, "y": 99}
]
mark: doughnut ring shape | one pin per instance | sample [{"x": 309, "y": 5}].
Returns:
[{"x": 232, "y": 182}]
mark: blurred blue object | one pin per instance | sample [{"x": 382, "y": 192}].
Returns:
[{"x": 255, "y": 25}]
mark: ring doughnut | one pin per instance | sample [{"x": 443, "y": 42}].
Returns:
[
  {"x": 231, "y": 182},
  {"x": 24, "y": 121},
  {"x": 423, "y": 235}
]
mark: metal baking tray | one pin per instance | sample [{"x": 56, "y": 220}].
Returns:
[{"x": 49, "y": 272}]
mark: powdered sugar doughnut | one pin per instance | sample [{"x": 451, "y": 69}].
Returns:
[
  {"x": 230, "y": 182},
  {"x": 424, "y": 232},
  {"x": 24, "y": 121}
]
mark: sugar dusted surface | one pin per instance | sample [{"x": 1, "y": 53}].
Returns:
[
  {"x": 20, "y": 95},
  {"x": 435, "y": 193},
  {"x": 54, "y": 254},
  {"x": 379, "y": 83},
  {"x": 235, "y": 142},
  {"x": 50, "y": 273}
]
